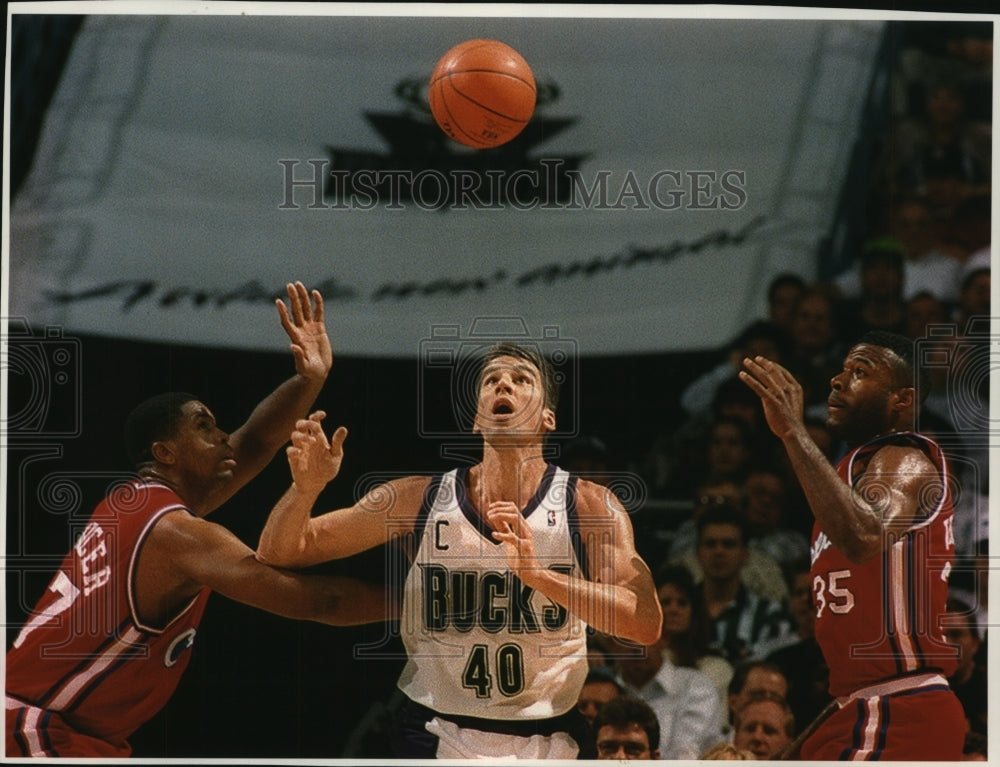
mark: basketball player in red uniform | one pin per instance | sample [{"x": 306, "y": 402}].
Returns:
[
  {"x": 106, "y": 645},
  {"x": 882, "y": 549}
]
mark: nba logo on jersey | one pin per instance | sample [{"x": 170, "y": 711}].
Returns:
[{"x": 552, "y": 517}]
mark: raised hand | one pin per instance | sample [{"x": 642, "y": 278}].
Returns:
[
  {"x": 313, "y": 460},
  {"x": 779, "y": 392},
  {"x": 305, "y": 326}
]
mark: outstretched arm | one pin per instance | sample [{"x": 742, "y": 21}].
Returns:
[
  {"x": 619, "y": 598},
  {"x": 197, "y": 553},
  {"x": 854, "y": 519},
  {"x": 292, "y": 537},
  {"x": 266, "y": 430}
]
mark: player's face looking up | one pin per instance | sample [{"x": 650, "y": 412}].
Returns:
[
  {"x": 199, "y": 446},
  {"x": 512, "y": 397},
  {"x": 863, "y": 393}
]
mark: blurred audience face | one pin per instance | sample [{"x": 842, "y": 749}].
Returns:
[
  {"x": 629, "y": 742},
  {"x": 759, "y": 681},
  {"x": 765, "y": 497},
  {"x": 975, "y": 297},
  {"x": 958, "y": 633},
  {"x": 783, "y": 302},
  {"x": 922, "y": 310},
  {"x": 676, "y": 609},
  {"x": 728, "y": 451},
  {"x": 944, "y": 105},
  {"x": 881, "y": 281},
  {"x": 722, "y": 551},
  {"x": 913, "y": 226},
  {"x": 593, "y": 696},
  {"x": 813, "y": 330},
  {"x": 762, "y": 728}
]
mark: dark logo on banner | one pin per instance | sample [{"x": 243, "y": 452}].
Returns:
[{"x": 422, "y": 162}]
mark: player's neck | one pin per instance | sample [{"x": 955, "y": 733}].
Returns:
[
  {"x": 507, "y": 474},
  {"x": 195, "y": 501}
]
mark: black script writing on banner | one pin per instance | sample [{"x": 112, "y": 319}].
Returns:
[{"x": 132, "y": 292}]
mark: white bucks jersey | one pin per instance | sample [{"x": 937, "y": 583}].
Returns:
[{"x": 479, "y": 642}]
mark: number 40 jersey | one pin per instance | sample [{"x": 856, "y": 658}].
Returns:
[{"x": 479, "y": 642}]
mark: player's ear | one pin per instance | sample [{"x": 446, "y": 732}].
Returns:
[
  {"x": 163, "y": 452},
  {"x": 902, "y": 399},
  {"x": 548, "y": 419}
]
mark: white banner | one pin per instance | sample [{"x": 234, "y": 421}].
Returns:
[{"x": 191, "y": 165}]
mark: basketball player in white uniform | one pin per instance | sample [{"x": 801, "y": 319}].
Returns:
[{"x": 512, "y": 558}]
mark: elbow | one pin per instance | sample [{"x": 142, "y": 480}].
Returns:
[
  {"x": 650, "y": 632},
  {"x": 646, "y": 631}
]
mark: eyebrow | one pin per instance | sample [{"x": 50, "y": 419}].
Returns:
[
  {"x": 520, "y": 368},
  {"x": 864, "y": 360}
]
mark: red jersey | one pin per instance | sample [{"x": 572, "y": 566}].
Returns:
[
  {"x": 84, "y": 657},
  {"x": 882, "y": 618}
]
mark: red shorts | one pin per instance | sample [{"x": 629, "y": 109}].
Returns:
[
  {"x": 923, "y": 724},
  {"x": 35, "y": 731}
]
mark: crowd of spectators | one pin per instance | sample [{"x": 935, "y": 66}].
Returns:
[{"x": 725, "y": 526}]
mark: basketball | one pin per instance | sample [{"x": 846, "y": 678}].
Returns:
[{"x": 482, "y": 93}]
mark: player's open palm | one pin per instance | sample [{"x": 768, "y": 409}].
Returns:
[
  {"x": 306, "y": 327},
  {"x": 779, "y": 392},
  {"x": 314, "y": 460}
]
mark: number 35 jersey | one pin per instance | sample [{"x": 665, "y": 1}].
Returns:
[
  {"x": 478, "y": 641},
  {"x": 882, "y": 618}
]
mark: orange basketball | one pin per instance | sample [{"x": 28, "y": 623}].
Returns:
[{"x": 482, "y": 93}]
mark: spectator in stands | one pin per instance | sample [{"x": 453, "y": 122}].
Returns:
[
  {"x": 783, "y": 294},
  {"x": 973, "y": 297},
  {"x": 760, "y": 574},
  {"x": 685, "y": 637},
  {"x": 764, "y": 503},
  {"x": 970, "y": 679},
  {"x": 940, "y": 157},
  {"x": 685, "y": 701},
  {"x": 728, "y": 451},
  {"x": 755, "y": 677},
  {"x": 626, "y": 729},
  {"x": 816, "y": 348},
  {"x": 764, "y": 725},
  {"x": 923, "y": 310},
  {"x": 600, "y": 687},
  {"x": 967, "y": 232},
  {"x": 911, "y": 225},
  {"x": 739, "y": 619},
  {"x": 880, "y": 304}
]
